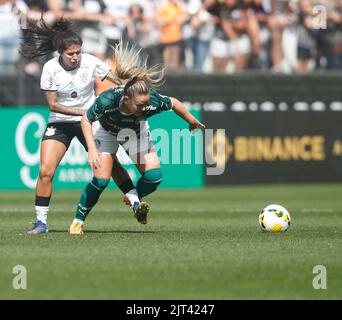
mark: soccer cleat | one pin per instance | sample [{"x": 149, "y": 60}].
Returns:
[
  {"x": 38, "y": 227},
  {"x": 76, "y": 228},
  {"x": 140, "y": 211}
]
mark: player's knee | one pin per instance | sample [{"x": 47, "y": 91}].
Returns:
[
  {"x": 99, "y": 184},
  {"x": 153, "y": 177},
  {"x": 46, "y": 172}
]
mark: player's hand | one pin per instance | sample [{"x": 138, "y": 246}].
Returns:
[
  {"x": 194, "y": 125},
  {"x": 94, "y": 159}
]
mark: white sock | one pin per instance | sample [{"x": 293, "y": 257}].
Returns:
[
  {"x": 132, "y": 196},
  {"x": 42, "y": 213},
  {"x": 77, "y": 220}
]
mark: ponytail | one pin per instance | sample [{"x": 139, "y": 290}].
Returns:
[
  {"x": 40, "y": 39},
  {"x": 128, "y": 65}
]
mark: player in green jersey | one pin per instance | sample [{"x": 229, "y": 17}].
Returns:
[{"x": 118, "y": 117}]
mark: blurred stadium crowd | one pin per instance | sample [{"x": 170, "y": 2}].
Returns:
[{"x": 227, "y": 36}]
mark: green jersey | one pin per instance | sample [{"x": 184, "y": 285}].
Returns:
[{"x": 106, "y": 110}]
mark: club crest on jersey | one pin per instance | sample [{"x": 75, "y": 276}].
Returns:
[
  {"x": 73, "y": 94},
  {"x": 50, "y": 131},
  {"x": 83, "y": 77}
]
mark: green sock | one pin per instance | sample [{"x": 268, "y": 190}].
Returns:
[
  {"x": 149, "y": 182},
  {"x": 89, "y": 197}
]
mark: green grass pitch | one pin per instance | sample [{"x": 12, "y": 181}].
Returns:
[{"x": 199, "y": 244}]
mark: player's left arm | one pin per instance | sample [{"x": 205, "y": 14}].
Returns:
[{"x": 182, "y": 111}]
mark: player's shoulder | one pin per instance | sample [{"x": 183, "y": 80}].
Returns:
[
  {"x": 111, "y": 94},
  {"x": 88, "y": 58},
  {"x": 159, "y": 101},
  {"x": 155, "y": 94},
  {"x": 117, "y": 91},
  {"x": 51, "y": 64}
]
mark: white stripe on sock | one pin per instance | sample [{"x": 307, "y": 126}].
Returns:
[{"x": 42, "y": 213}]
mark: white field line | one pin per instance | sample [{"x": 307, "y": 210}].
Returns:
[{"x": 199, "y": 210}]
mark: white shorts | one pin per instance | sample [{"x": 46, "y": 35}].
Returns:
[
  {"x": 108, "y": 143},
  {"x": 219, "y": 48},
  {"x": 230, "y": 48}
]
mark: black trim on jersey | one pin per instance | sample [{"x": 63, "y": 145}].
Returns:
[
  {"x": 106, "y": 75},
  {"x": 48, "y": 90},
  {"x": 60, "y": 61}
]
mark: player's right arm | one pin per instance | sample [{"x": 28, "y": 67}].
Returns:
[
  {"x": 54, "y": 106},
  {"x": 102, "y": 104},
  {"x": 48, "y": 85}
]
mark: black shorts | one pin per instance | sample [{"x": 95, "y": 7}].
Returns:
[
  {"x": 304, "y": 53},
  {"x": 64, "y": 132}
]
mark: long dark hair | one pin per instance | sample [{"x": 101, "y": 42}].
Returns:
[{"x": 40, "y": 39}]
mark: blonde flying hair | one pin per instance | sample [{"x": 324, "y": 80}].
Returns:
[{"x": 130, "y": 68}]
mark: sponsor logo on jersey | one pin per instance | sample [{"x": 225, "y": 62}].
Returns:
[
  {"x": 50, "y": 131},
  {"x": 147, "y": 108},
  {"x": 73, "y": 94}
]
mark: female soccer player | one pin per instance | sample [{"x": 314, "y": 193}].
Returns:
[
  {"x": 68, "y": 83},
  {"x": 122, "y": 114}
]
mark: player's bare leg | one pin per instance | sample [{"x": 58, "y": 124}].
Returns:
[{"x": 51, "y": 153}]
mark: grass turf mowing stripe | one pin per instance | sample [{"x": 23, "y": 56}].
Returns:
[{"x": 197, "y": 245}]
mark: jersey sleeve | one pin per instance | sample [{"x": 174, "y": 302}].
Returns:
[
  {"x": 160, "y": 102},
  {"x": 101, "y": 69},
  {"x": 102, "y": 104},
  {"x": 47, "y": 82}
]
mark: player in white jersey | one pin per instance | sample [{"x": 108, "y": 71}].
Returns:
[
  {"x": 75, "y": 87},
  {"x": 68, "y": 84}
]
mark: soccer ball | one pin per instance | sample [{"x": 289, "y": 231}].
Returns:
[{"x": 274, "y": 218}]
